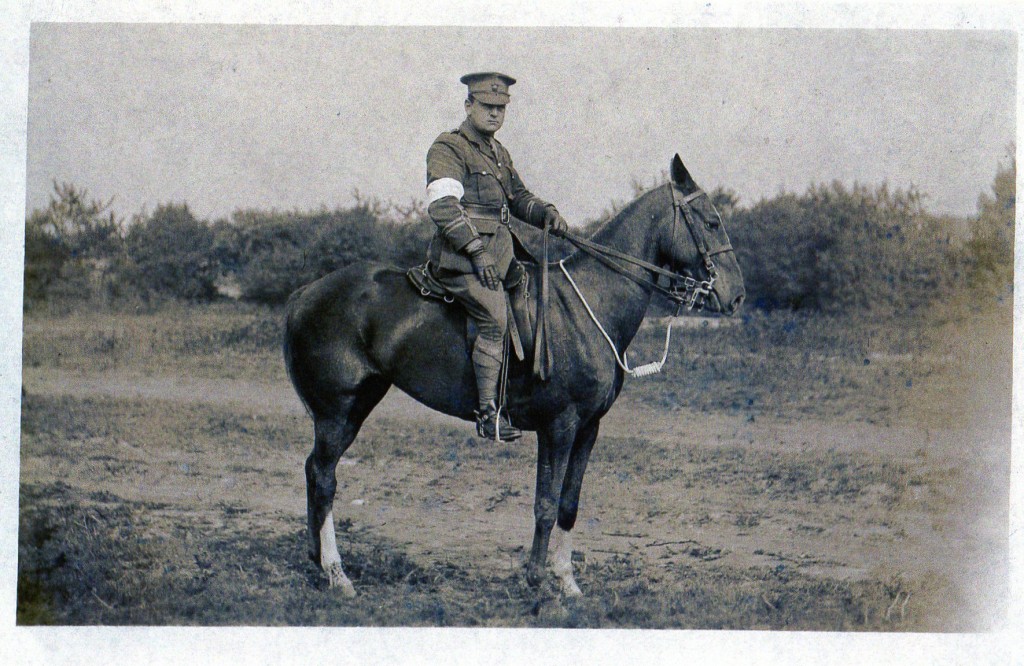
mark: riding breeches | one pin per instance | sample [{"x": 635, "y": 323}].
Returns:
[
  {"x": 486, "y": 306},
  {"x": 489, "y": 309}
]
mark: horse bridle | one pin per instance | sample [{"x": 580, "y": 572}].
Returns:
[
  {"x": 682, "y": 290},
  {"x": 695, "y": 293}
]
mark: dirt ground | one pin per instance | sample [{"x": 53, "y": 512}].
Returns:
[{"x": 697, "y": 519}]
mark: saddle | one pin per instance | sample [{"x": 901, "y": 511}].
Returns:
[{"x": 517, "y": 289}]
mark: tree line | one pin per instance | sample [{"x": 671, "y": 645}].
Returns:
[
  {"x": 832, "y": 248},
  {"x": 76, "y": 250}
]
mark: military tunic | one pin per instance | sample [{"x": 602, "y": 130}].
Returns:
[{"x": 489, "y": 183}]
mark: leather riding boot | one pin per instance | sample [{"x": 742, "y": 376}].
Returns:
[
  {"x": 490, "y": 422},
  {"x": 494, "y": 425},
  {"x": 487, "y": 368}
]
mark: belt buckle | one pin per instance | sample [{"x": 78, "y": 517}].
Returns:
[{"x": 504, "y": 216}]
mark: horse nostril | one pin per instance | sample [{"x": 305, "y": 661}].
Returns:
[{"x": 737, "y": 303}]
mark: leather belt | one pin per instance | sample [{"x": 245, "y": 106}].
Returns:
[{"x": 498, "y": 214}]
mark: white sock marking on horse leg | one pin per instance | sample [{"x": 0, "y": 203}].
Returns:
[
  {"x": 330, "y": 558},
  {"x": 561, "y": 561},
  {"x": 328, "y": 545}
]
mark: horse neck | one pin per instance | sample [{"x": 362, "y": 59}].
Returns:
[{"x": 619, "y": 302}]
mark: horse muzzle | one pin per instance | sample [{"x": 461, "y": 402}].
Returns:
[
  {"x": 734, "y": 305},
  {"x": 705, "y": 296}
]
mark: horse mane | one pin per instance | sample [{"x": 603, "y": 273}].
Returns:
[
  {"x": 530, "y": 236},
  {"x": 609, "y": 226}
]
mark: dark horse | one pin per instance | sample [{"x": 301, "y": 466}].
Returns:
[{"x": 356, "y": 332}]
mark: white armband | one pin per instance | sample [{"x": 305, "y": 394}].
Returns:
[{"x": 444, "y": 187}]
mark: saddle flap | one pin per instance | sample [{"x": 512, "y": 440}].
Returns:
[{"x": 516, "y": 284}]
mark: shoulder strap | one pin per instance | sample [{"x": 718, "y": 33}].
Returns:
[{"x": 453, "y": 139}]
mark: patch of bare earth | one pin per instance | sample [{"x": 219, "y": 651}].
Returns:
[{"x": 186, "y": 497}]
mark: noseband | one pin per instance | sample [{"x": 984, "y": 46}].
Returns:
[{"x": 682, "y": 290}]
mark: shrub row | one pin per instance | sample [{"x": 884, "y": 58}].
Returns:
[
  {"x": 76, "y": 250},
  {"x": 835, "y": 249},
  {"x": 832, "y": 248}
]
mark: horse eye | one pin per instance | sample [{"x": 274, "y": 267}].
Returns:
[{"x": 714, "y": 220}]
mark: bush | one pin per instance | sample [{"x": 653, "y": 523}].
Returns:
[
  {"x": 70, "y": 248},
  {"x": 172, "y": 254},
  {"x": 280, "y": 252},
  {"x": 832, "y": 249},
  {"x": 271, "y": 252},
  {"x": 835, "y": 249},
  {"x": 990, "y": 248},
  {"x": 76, "y": 254},
  {"x": 277, "y": 253},
  {"x": 45, "y": 256}
]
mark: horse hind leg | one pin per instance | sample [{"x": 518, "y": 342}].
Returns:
[
  {"x": 331, "y": 441},
  {"x": 332, "y": 436}
]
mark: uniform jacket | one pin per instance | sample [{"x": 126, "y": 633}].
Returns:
[{"x": 484, "y": 168}]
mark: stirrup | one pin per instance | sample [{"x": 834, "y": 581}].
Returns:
[{"x": 493, "y": 425}]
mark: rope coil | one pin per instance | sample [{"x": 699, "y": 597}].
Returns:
[{"x": 645, "y": 370}]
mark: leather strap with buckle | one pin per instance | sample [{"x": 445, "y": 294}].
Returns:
[{"x": 499, "y": 214}]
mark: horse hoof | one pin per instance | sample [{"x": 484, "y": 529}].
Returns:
[
  {"x": 570, "y": 589},
  {"x": 337, "y": 580}
]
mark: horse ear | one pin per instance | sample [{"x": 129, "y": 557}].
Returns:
[{"x": 680, "y": 175}]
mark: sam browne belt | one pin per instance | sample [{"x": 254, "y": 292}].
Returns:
[{"x": 498, "y": 214}]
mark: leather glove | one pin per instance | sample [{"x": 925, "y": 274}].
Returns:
[
  {"x": 555, "y": 222},
  {"x": 483, "y": 265}
]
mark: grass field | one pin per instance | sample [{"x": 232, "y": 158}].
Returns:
[{"x": 785, "y": 472}]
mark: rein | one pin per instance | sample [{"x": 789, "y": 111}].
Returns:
[
  {"x": 645, "y": 370},
  {"x": 682, "y": 290},
  {"x": 693, "y": 294}
]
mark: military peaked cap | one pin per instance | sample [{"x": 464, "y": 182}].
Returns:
[{"x": 488, "y": 87}]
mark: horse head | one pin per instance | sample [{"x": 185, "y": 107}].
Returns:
[{"x": 696, "y": 244}]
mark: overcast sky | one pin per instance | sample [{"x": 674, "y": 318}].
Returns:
[{"x": 227, "y": 117}]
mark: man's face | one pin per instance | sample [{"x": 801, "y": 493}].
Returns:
[{"x": 486, "y": 118}]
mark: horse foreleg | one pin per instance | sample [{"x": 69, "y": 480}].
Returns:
[
  {"x": 568, "y": 505},
  {"x": 553, "y": 448},
  {"x": 561, "y": 561}
]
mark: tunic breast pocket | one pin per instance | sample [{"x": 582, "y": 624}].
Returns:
[{"x": 484, "y": 188}]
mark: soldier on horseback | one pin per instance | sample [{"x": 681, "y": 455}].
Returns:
[{"x": 472, "y": 189}]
